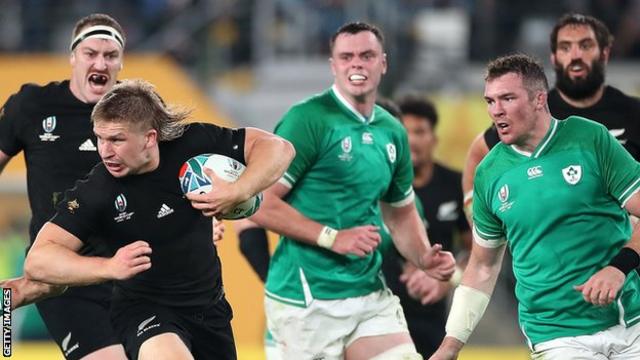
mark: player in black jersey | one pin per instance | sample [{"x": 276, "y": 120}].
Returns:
[
  {"x": 423, "y": 298},
  {"x": 580, "y": 50},
  {"x": 168, "y": 300},
  {"x": 51, "y": 124}
]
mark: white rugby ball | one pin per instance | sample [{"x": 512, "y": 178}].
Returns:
[{"x": 193, "y": 179}]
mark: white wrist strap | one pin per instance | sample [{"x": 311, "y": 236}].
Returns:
[
  {"x": 467, "y": 308},
  {"x": 327, "y": 237}
]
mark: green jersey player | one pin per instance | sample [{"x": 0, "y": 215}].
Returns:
[
  {"x": 555, "y": 192},
  {"x": 325, "y": 298}
]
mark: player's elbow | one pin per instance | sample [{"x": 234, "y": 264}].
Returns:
[{"x": 34, "y": 266}]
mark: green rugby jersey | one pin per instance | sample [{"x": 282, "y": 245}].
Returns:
[
  {"x": 344, "y": 165},
  {"x": 560, "y": 210}
]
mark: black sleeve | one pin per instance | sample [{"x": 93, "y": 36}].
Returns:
[
  {"x": 226, "y": 141},
  {"x": 254, "y": 245},
  {"x": 11, "y": 121},
  {"x": 79, "y": 211},
  {"x": 491, "y": 137}
]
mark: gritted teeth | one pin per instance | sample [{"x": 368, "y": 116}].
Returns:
[{"x": 357, "y": 77}]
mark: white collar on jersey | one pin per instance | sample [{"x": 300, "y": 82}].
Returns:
[
  {"x": 550, "y": 133},
  {"x": 355, "y": 112}
]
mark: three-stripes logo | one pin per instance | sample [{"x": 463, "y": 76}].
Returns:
[{"x": 164, "y": 211}]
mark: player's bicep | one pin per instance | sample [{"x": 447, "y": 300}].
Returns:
[{"x": 52, "y": 234}]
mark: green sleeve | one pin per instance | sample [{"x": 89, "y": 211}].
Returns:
[
  {"x": 301, "y": 131},
  {"x": 488, "y": 229},
  {"x": 620, "y": 172}
]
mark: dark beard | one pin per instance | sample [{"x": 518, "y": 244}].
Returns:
[{"x": 580, "y": 89}]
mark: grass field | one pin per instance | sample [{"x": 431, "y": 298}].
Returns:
[{"x": 48, "y": 351}]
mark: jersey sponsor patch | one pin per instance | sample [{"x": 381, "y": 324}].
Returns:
[
  {"x": 367, "y": 138},
  {"x": 572, "y": 174},
  {"x": 48, "y": 125},
  {"x": 87, "y": 145}
]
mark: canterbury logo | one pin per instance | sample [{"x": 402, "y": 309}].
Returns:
[{"x": 534, "y": 172}]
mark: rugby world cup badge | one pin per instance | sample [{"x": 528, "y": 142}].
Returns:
[
  {"x": 572, "y": 174},
  {"x": 48, "y": 125},
  {"x": 346, "y": 145},
  {"x": 503, "y": 193},
  {"x": 121, "y": 205}
]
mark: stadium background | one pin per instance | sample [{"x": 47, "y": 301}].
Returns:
[{"x": 241, "y": 63}]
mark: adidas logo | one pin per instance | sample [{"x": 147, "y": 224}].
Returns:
[
  {"x": 164, "y": 211},
  {"x": 87, "y": 146}
]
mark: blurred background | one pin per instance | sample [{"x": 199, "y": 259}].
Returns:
[{"x": 244, "y": 62}]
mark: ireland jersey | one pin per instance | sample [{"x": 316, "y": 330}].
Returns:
[
  {"x": 560, "y": 209},
  {"x": 344, "y": 165}
]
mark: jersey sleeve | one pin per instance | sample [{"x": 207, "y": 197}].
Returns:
[
  {"x": 487, "y": 227},
  {"x": 491, "y": 137},
  {"x": 225, "y": 141},
  {"x": 10, "y": 126},
  {"x": 400, "y": 191},
  {"x": 620, "y": 171},
  {"x": 305, "y": 137},
  {"x": 79, "y": 211}
]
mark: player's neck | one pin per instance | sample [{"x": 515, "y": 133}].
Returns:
[
  {"x": 423, "y": 174},
  {"x": 586, "y": 102},
  {"x": 536, "y": 135}
]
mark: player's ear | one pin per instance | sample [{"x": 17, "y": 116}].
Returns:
[{"x": 151, "y": 137}]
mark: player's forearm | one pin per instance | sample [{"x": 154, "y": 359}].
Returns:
[
  {"x": 407, "y": 231},
  {"x": 267, "y": 161},
  {"x": 57, "y": 265},
  {"x": 278, "y": 216},
  {"x": 27, "y": 291}
]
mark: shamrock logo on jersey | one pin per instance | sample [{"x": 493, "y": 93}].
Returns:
[{"x": 572, "y": 174}]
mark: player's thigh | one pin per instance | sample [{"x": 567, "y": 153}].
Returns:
[
  {"x": 627, "y": 345},
  {"x": 139, "y": 321},
  {"x": 309, "y": 332},
  {"x": 569, "y": 348},
  {"x": 210, "y": 330},
  {"x": 79, "y": 322},
  {"x": 165, "y": 346},
  {"x": 389, "y": 346}
]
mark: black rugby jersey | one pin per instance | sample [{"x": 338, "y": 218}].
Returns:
[
  {"x": 185, "y": 269},
  {"x": 54, "y": 130},
  {"x": 617, "y": 111}
]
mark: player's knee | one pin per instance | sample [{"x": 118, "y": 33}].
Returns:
[{"x": 401, "y": 352}]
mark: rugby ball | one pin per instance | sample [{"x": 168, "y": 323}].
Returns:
[{"x": 193, "y": 179}]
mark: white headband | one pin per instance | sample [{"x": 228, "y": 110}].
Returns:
[{"x": 98, "y": 31}]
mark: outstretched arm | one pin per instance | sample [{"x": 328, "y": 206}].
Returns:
[{"x": 25, "y": 291}]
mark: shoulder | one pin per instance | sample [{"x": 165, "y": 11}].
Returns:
[
  {"x": 582, "y": 125},
  {"x": 616, "y": 96},
  {"x": 31, "y": 95},
  {"x": 305, "y": 114}
]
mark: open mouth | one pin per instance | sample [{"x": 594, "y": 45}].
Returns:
[
  {"x": 502, "y": 127},
  {"x": 98, "y": 79}
]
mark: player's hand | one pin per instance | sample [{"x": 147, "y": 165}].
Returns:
[
  {"x": 359, "y": 240},
  {"x": 130, "y": 260},
  {"x": 448, "y": 350},
  {"x": 602, "y": 288},
  {"x": 218, "y": 230},
  {"x": 222, "y": 198},
  {"x": 437, "y": 263},
  {"x": 423, "y": 287}
]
